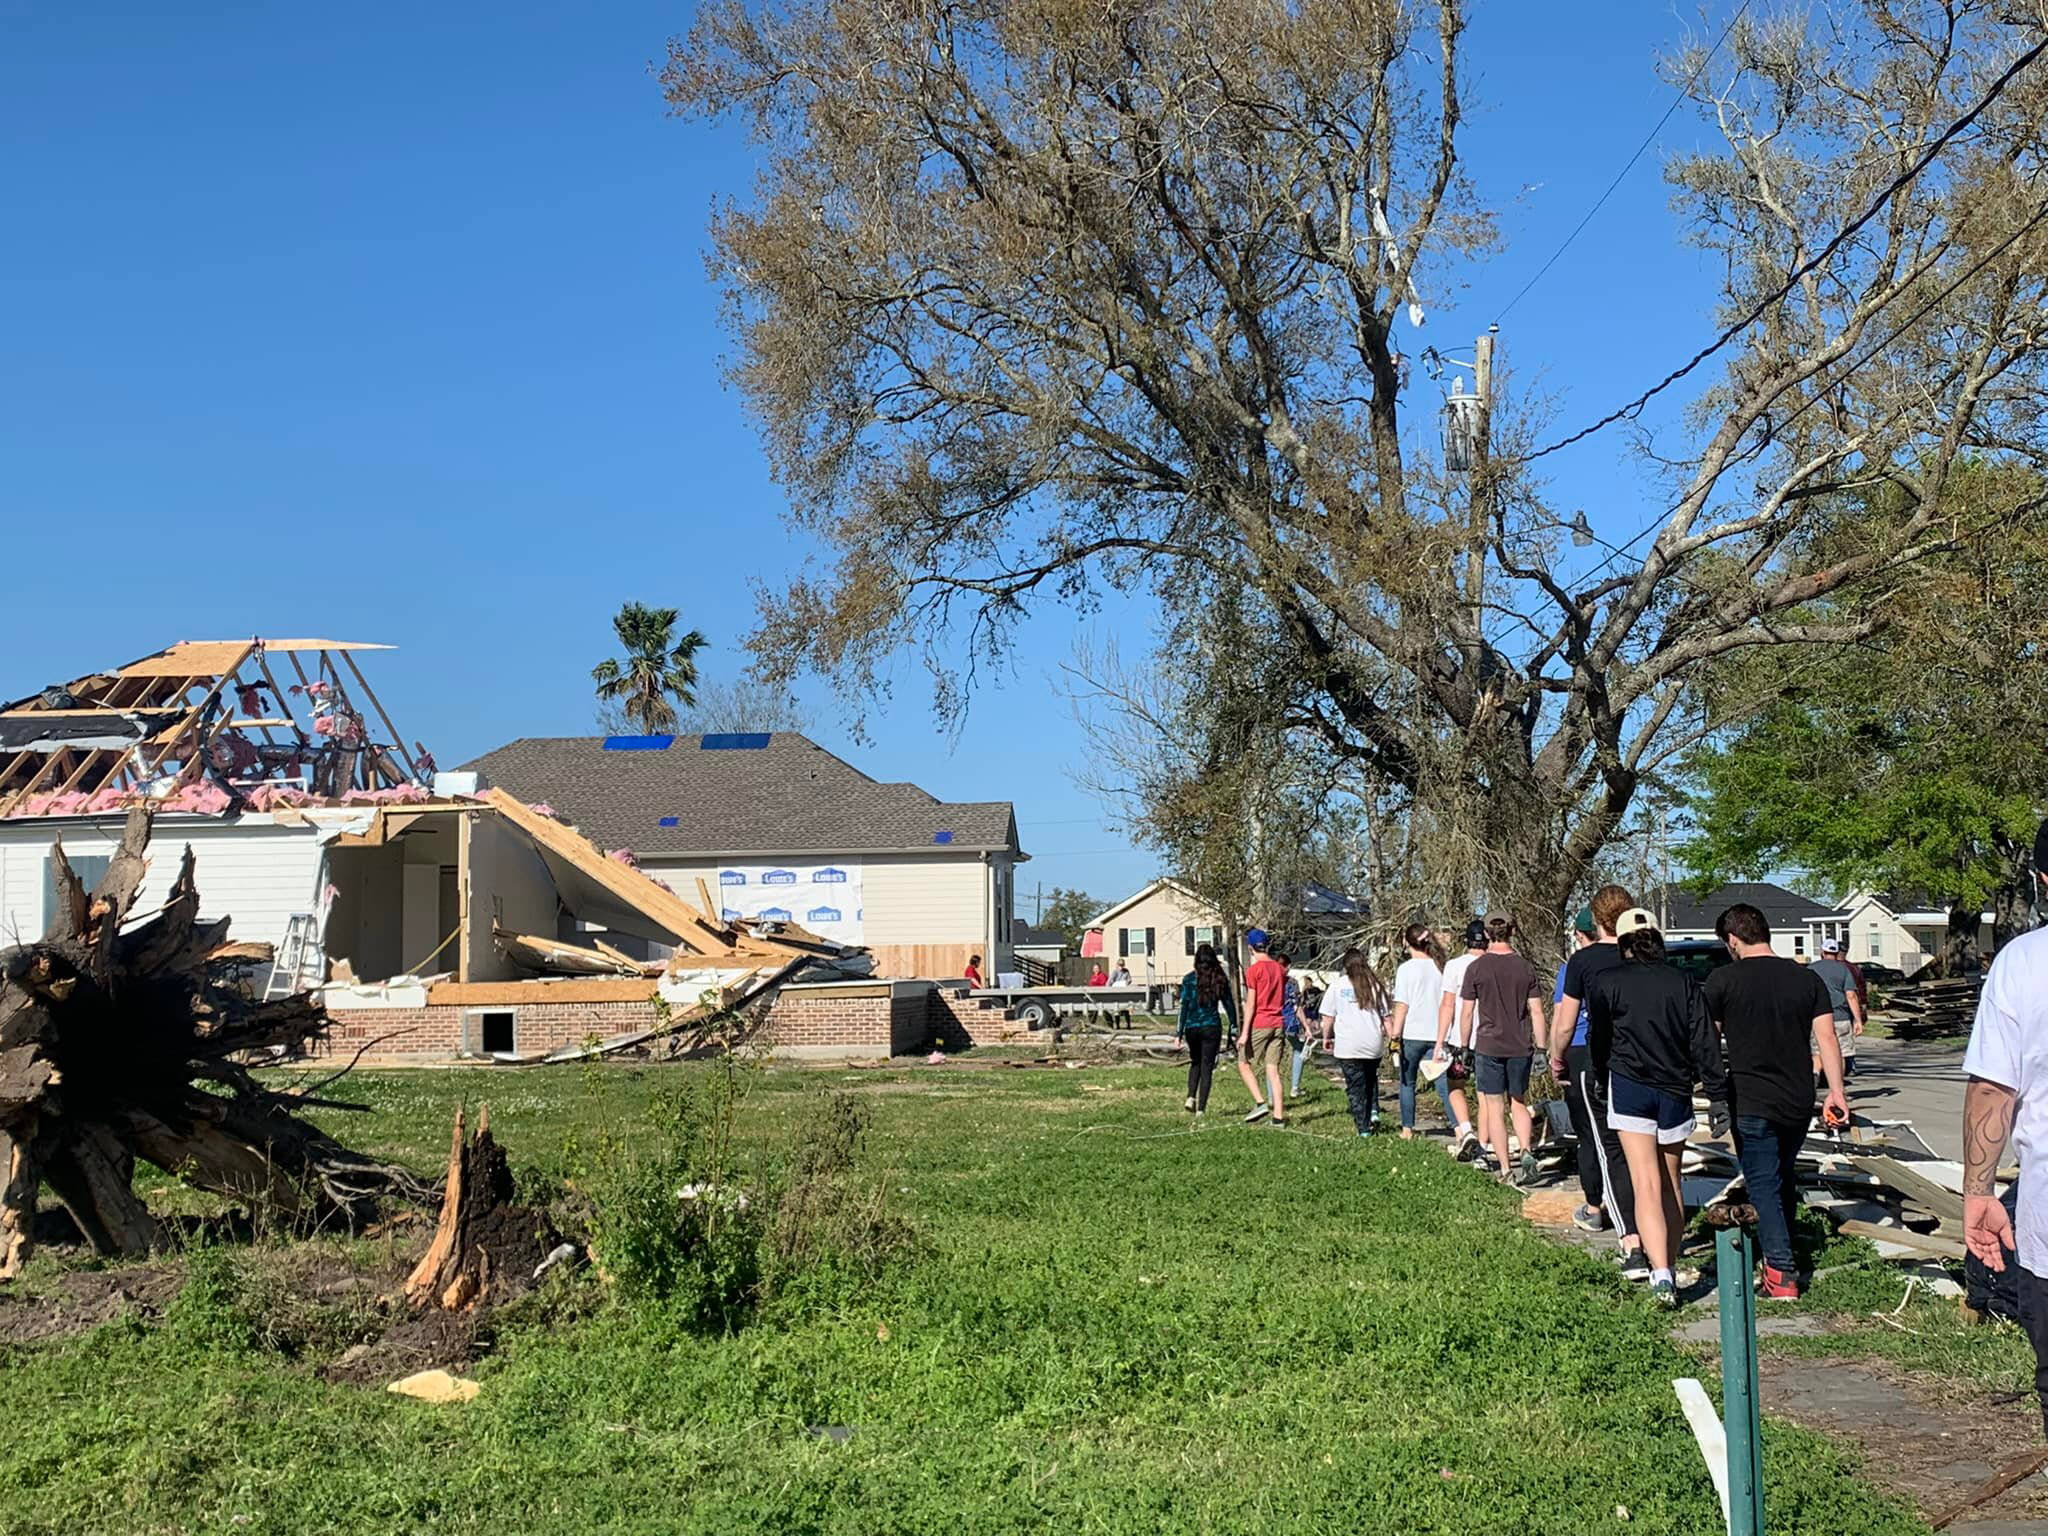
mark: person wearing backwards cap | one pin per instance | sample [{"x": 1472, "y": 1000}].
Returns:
[
  {"x": 1259, "y": 1042},
  {"x": 1840, "y": 980},
  {"x": 1649, "y": 1022}
]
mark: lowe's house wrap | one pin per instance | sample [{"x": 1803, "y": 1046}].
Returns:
[{"x": 824, "y": 898}]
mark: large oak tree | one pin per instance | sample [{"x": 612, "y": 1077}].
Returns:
[{"x": 1037, "y": 296}]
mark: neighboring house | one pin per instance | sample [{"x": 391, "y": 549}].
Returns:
[
  {"x": 1904, "y": 930},
  {"x": 1047, "y": 945},
  {"x": 1155, "y": 930},
  {"x": 773, "y": 824},
  {"x": 1798, "y": 923}
]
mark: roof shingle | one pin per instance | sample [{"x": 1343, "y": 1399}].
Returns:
[
  {"x": 789, "y": 796},
  {"x": 1687, "y": 913}
]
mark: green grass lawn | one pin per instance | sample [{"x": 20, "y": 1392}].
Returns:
[{"x": 1109, "y": 1325}]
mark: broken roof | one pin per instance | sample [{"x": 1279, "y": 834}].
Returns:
[
  {"x": 778, "y": 794},
  {"x": 205, "y": 725}
]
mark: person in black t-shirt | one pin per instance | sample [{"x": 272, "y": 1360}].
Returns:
[
  {"x": 1660, "y": 1043},
  {"x": 1603, "y": 1170},
  {"x": 1768, "y": 1008}
]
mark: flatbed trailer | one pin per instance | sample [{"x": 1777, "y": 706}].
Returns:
[{"x": 1042, "y": 1007}]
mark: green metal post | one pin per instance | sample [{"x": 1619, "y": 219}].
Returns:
[{"x": 1741, "y": 1410}]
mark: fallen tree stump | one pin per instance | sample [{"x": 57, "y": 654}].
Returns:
[
  {"x": 117, "y": 1045},
  {"x": 486, "y": 1248}
]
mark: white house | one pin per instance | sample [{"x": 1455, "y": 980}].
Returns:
[
  {"x": 1155, "y": 930},
  {"x": 772, "y": 823},
  {"x": 1903, "y": 932}
]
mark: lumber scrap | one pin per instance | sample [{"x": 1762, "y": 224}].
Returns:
[
  {"x": 538, "y": 953},
  {"x": 697, "y": 930},
  {"x": 1932, "y": 1244},
  {"x": 2015, "y": 1471},
  {"x": 732, "y": 997},
  {"x": 1913, "y": 1188}
]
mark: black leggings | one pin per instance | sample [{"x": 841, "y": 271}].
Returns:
[
  {"x": 1361, "y": 1089},
  {"x": 1203, "y": 1044}
]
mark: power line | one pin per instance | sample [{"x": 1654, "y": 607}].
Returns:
[
  {"x": 2039, "y": 214},
  {"x": 1842, "y": 237},
  {"x": 1678, "y": 99}
]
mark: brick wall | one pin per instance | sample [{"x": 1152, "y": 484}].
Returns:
[
  {"x": 957, "y": 1020},
  {"x": 882, "y": 1017}
]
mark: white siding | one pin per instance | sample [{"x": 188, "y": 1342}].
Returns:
[{"x": 251, "y": 872}]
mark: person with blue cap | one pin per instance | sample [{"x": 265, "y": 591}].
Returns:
[{"x": 1259, "y": 1041}]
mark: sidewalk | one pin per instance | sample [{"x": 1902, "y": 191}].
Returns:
[{"x": 1917, "y": 1080}]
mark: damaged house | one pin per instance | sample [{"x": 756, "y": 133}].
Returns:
[{"x": 438, "y": 922}]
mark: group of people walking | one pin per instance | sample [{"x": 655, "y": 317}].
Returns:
[{"x": 1628, "y": 1037}]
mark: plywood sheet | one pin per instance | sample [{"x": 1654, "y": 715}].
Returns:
[
  {"x": 571, "y": 989},
  {"x": 191, "y": 658}
]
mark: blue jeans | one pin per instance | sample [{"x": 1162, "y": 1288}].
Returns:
[
  {"x": 1413, "y": 1054},
  {"x": 1766, "y": 1151},
  {"x": 1302, "y": 1045}
]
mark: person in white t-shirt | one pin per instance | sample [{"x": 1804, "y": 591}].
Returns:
[
  {"x": 1449, "y": 1038},
  {"x": 1354, "y": 1016},
  {"x": 2007, "y": 1097},
  {"x": 1418, "y": 993}
]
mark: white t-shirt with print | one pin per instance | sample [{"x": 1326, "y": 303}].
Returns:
[
  {"x": 1420, "y": 985},
  {"x": 1454, "y": 985},
  {"x": 1359, "y": 1033},
  {"x": 2009, "y": 1046}
]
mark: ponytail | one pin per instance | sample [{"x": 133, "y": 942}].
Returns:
[{"x": 1421, "y": 938}]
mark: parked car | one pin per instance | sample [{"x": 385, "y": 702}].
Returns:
[{"x": 1699, "y": 958}]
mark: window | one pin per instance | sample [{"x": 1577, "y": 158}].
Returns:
[
  {"x": 1137, "y": 941},
  {"x": 1876, "y": 945},
  {"x": 1798, "y": 943},
  {"x": 89, "y": 867},
  {"x": 1200, "y": 936}
]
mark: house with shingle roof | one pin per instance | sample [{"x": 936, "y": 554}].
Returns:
[
  {"x": 772, "y": 824},
  {"x": 1798, "y": 923}
]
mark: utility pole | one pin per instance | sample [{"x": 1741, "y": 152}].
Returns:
[{"x": 1482, "y": 480}]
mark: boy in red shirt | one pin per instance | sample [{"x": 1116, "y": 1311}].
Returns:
[{"x": 1259, "y": 1043}]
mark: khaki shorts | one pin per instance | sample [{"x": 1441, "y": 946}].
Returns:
[{"x": 1268, "y": 1050}]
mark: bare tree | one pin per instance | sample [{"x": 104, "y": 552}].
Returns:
[{"x": 1039, "y": 297}]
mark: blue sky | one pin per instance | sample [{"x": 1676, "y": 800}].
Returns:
[{"x": 392, "y": 324}]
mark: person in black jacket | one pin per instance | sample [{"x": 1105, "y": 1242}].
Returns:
[{"x": 1658, "y": 1041}]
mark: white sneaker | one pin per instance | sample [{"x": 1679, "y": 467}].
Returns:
[
  {"x": 1259, "y": 1112},
  {"x": 1189, "y": 1105},
  {"x": 1468, "y": 1145}
]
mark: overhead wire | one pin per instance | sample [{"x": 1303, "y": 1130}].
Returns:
[
  {"x": 2032, "y": 221},
  {"x": 1678, "y": 99},
  {"x": 1812, "y": 264}
]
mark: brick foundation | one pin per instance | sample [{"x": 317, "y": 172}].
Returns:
[
  {"x": 957, "y": 1020},
  {"x": 878, "y": 1017}
]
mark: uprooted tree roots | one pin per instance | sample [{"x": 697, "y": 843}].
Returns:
[{"x": 122, "y": 1045}]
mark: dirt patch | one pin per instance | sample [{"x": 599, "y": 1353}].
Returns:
[
  {"x": 75, "y": 1300},
  {"x": 1921, "y": 1439},
  {"x": 412, "y": 1341}
]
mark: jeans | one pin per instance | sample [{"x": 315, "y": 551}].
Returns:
[
  {"x": 1767, "y": 1151},
  {"x": 1361, "y": 1089},
  {"x": 1302, "y": 1047},
  {"x": 1203, "y": 1044},
  {"x": 1413, "y": 1054},
  {"x": 1587, "y": 1085},
  {"x": 2033, "y": 1291}
]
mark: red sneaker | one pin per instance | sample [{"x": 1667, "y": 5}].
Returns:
[{"x": 1776, "y": 1285}]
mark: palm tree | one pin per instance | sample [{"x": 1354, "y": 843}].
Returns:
[{"x": 655, "y": 666}]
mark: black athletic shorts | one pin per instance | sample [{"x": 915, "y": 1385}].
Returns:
[{"x": 1504, "y": 1074}]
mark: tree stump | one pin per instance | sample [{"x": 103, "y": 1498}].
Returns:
[{"x": 485, "y": 1246}]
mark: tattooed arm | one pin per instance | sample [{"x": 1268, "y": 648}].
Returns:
[{"x": 1988, "y": 1110}]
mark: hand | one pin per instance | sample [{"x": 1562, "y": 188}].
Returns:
[
  {"x": 1717, "y": 1121},
  {"x": 1244, "y": 1041},
  {"x": 1558, "y": 1068},
  {"x": 1856, "y": 1028},
  {"x": 1329, "y": 1042},
  {"x": 1834, "y": 1109},
  {"x": 1437, "y": 1052},
  {"x": 1987, "y": 1230}
]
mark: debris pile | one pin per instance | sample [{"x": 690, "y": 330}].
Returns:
[
  {"x": 1941, "y": 1008},
  {"x": 118, "y": 1043}
]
